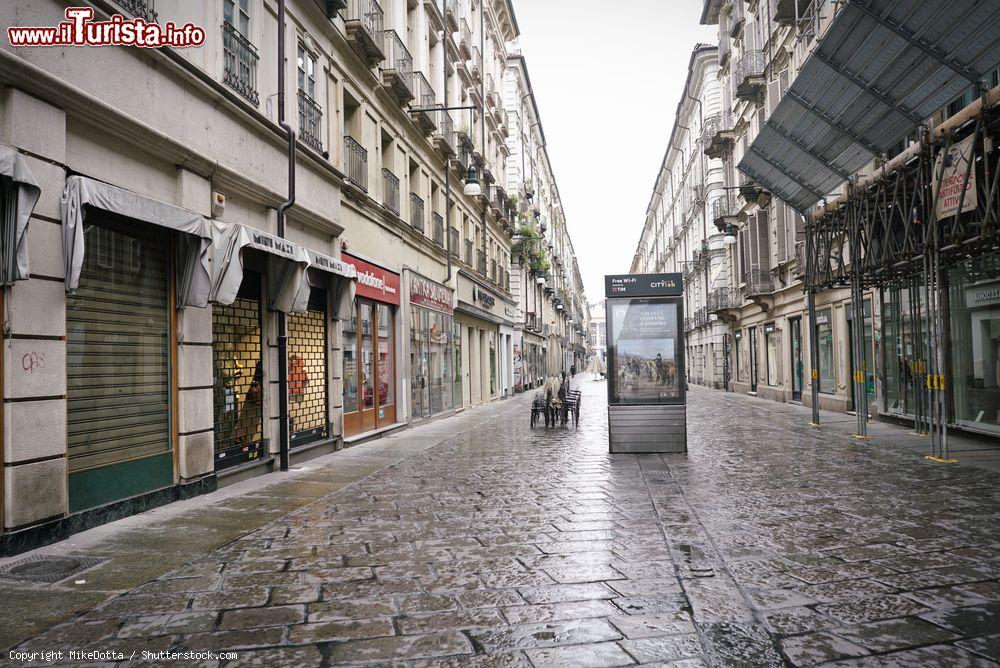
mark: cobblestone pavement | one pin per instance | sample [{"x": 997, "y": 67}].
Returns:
[{"x": 769, "y": 544}]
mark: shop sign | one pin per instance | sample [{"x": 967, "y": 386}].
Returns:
[
  {"x": 483, "y": 297},
  {"x": 374, "y": 282},
  {"x": 955, "y": 164},
  {"x": 425, "y": 292},
  {"x": 983, "y": 295},
  {"x": 823, "y": 318},
  {"x": 769, "y": 328},
  {"x": 268, "y": 243},
  {"x": 330, "y": 264}
]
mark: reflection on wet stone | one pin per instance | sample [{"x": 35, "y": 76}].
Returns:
[{"x": 766, "y": 545}]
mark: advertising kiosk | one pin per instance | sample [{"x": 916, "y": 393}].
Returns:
[{"x": 646, "y": 378}]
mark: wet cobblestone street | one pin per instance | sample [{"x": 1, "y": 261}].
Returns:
[{"x": 769, "y": 544}]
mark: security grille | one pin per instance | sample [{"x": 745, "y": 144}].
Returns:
[
  {"x": 238, "y": 377},
  {"x": 307, "y": 379},
  {"x": 117, "y": 348}
]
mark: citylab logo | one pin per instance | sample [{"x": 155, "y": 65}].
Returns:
[{"x": 79, "y": 29}]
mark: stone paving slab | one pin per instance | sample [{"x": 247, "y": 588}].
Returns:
[{"x": 770, "y": 544}]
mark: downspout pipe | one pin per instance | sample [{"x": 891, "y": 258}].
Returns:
[
  {"x": 283, "y": 436},
  {"x": 447, "y": 161}
]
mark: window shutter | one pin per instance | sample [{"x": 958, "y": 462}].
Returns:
[
  {"x": 773, "y": 95},
  {"x": 763, "y": 241},
  {"x": 780, "y": 230},
  {"x": 743, "y": 268}
]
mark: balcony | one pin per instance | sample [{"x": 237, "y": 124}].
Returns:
[
  {"x": 476, "y": 63},
  {"x": 724, "y": 212},
  {"x": 397, "y": 75},
  {"x": 749, "y": 75},
  {"x": 452, "y": 14},
  {"x": 725, "y": 47},
  {"x": 737, "y": 17},
  {"x": 723, "y": 299},
  {"x": 416, "y": 212},
  {"x": 454, "y": 241},
  {"x": 425, "y": 120},
  {"x": 799, "y": 266},
  {"x": 759, "y": 283},
  {"x": 718, "y": 135},
  {"x": 444, "y": 137},
  {"x": 310, "y": 122},
  {"x": 498, "y": 201},
  {"x": 464, "y": 39},
  {"x": 750, "y": 190},
  {"x": 785, "y": 12},
  {"x": 437, "y": 229},
  {"x": 239, "y": 63},
  {"x": 491, "y": 90},
  {"x": 356, "y": 163},
  {"x": 467, "y": 257},
  {"x": 390, "y": 191},
  {"x": 363, "y": 27},
  {"x": 481, "y": 262},
  {"x": 139, "y": 9}
]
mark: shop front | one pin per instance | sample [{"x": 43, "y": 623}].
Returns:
[
  {"x": 435, "y": 348},
  {"x": 480, "y": 315},
  {"x": 975, "y": 344},
  {"x": 369, "y": 349},
  {"x": 254, "y": 274},
  {"x": 130, "y": 263}
]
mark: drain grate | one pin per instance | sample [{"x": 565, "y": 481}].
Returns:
[{"x": 47, "y": 568}]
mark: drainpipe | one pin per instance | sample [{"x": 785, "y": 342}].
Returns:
[
  {"x": 447, "y": 161},
  {"x": 282, "y": 208}
]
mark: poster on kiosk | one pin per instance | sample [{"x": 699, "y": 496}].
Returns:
[{"x": 646, "y": 375}]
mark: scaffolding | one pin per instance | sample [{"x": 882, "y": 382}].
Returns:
[{"x": 897, "y": 230}]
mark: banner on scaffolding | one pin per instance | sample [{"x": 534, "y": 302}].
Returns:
[{"x": 952, "y": 168}]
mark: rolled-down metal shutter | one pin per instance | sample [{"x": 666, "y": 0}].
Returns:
[
  {"x": 118, "y": 361},
  {"x": 307, "y": 377}
]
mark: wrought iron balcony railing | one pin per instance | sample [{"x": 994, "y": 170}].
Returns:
[
  {"x": 417, "y": 212},
  {"x": 356, "y": 159},
  {"x": 398, "y": 73},
  {"x": 722, "y": 299},
  {"x": 422, "y": 91},
  {"x": 139, "y": 9},
  {"x": 310, "y": 121},
  {"x": 390, "y": 190},
  {"x": 364, "y": 21},
  {"x": 464, "y": 39},
  {"x": 718, "y": 135},
  {"x": 737, "y": 17},
  {"x": 759, "y": 282},
  {"x": 437, "y": 228},
  {"x": 749, "y": 74},
  {"x": 240, "y": 57},
  {"x": 454, "y": 241},
  {"x": 476, "y": 62}
]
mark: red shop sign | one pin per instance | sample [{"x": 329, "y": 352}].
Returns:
[{"x": 374, "y": 282}]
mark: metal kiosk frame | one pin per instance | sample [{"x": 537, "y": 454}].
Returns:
[{"x": 647, "y": 380}]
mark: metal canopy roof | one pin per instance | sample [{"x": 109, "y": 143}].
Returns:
[{"x": 882, "y": 68}]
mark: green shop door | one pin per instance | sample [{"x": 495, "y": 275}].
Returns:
[{"x": 118, "y": 365}]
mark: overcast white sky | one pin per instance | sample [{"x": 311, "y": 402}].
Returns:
[{"x": 607, "y": 79}]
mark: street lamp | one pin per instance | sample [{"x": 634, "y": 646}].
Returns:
[
  {"x": 472, "y": 187},
  {"x": 730, "y": 237}
]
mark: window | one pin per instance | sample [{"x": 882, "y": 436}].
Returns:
[
  {"x": 771, "y": 354},
  {"x": 738, "y": 336},
  {"x": 824, "y": 341},
  {"x": 307, "y": 72},
  {"x": 237, "y": 14}
]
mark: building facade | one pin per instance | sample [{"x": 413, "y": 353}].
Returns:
[
  {"x": 545, "y": 275},
  {"x": 177, "y": 321},
  {"x": 754, "y": 302}
]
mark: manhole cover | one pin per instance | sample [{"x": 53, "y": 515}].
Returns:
[{"x": 45, "y": 568}]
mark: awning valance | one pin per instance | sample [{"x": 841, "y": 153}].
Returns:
[
  {"x": 344, "y": 286},
  {"x": 193, "y": 280},
  {"x": 17, "y": 201},
  {"x": 287, "y": 263},
  {"x": 880, "y": 70}
]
